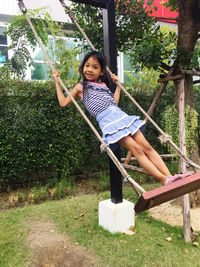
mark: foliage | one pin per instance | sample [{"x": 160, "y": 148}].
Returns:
[
  {"x": 171, "y": 124},
  {"x": 187, "y": 55},
  {"x": 190, "y": 60},
  {"x": 172, "y": 4},
  {"x": 65, "y": 59},
  {"x": 23, "y": 42},
  {"x": 136, "y": 33},
  {"x": 191, "y": 128},
  {"x": 5, "y": 72},
  {"x": 132, "y": 22},
  {"x": 155, "y": 48},
  {"x": 38, "y": 139},
  {"x": 148, "y": 78},
  {"x": 22, "y": 39}
]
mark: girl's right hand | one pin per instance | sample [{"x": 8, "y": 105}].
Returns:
[
  {"x": 55, "y": 75},
  {"x": 115, "y": 78}
]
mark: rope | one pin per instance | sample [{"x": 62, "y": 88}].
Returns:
[
  {"x": 165, "y": 136},
  {"x": 105, "y": 147}
]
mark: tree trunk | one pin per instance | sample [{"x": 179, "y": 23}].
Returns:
[{"x": 188, "y": 29}]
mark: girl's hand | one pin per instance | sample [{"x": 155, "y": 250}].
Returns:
[
  {"x": 115, "y": 78},
  {"x": 55, "y": 75}
]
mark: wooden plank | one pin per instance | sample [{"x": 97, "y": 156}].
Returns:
[
  {"x": 168, "y": 192},
  {"x": 163, "y": 156},
  {"x": 134, "y": 168},
  {"x": 170, "y": 78}
]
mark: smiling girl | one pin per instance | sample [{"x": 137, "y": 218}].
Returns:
[{"x": 117, "y": 127}]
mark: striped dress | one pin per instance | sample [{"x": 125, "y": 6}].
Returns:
[{"x": 113, "y": 122}]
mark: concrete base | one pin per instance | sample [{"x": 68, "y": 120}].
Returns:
[{"x": 116, "y": 217}]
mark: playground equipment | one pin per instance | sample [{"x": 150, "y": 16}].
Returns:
[{"x": 146, "y": 199}]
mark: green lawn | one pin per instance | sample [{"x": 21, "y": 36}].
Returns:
[{"x": 77, "y": 217}]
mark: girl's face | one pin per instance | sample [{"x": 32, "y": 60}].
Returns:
[{"x": 92, "y": 69}]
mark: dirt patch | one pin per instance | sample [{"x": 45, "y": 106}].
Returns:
[
  {"x": 172, "y": 214},
  {"x": 52, "y": 249}
]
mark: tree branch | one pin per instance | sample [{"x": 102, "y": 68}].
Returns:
[
  {"x": 171, "y": 78},
  {"x": 191, "y": 72}
]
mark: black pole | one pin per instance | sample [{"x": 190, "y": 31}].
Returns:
[
  {"x": 115, "y": 179},
  {"x": 111, "y": 55},
  {"x": 109, "y": 31}
]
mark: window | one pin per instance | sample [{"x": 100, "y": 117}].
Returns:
[
  {"x": 127, "y": 68},
  {"x": 3, "y": 46},
  {"x": 41, "y": 70}
]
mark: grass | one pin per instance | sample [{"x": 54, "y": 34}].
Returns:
[{"x": 77, "y": 217}]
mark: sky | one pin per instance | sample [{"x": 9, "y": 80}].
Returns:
[{"x": 54, "y": 8}]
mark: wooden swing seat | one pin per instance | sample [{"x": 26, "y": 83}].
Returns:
[{"x": 168, "y": 192}]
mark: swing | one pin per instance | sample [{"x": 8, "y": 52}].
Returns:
[
  {"x": 147, "y": 199},
  {"x": 168, "y": 192}
]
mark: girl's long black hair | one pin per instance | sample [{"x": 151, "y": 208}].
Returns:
[{"x": 105, "y": 78}]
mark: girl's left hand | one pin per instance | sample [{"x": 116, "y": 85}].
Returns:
[{"x": 115, "y": 78}]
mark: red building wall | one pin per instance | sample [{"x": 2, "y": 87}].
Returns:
[{"x": 162, "y": 11}]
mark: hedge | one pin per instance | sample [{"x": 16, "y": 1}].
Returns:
[{"x": 40, "y": 140}]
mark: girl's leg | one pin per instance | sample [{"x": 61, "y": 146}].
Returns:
[
  {"x": 129, "y": 143},
  {"x": 151, "y": 153}
]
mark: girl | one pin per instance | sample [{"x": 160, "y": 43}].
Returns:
[{"x": 116, "y": 126}]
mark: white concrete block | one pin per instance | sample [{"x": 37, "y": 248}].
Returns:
[{"x": 116, "y": 217}]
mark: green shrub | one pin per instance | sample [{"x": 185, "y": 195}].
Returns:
[{"x": 40, "y": 141}]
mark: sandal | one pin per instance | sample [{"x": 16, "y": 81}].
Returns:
[{"x": 171, "y": 179}]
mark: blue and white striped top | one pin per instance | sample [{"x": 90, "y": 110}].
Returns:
[{"x": 97, "y": 98}]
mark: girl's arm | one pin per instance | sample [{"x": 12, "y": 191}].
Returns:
[
  {"x": 63, "y": 100},
  {"x": 118, "y": 89}
]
